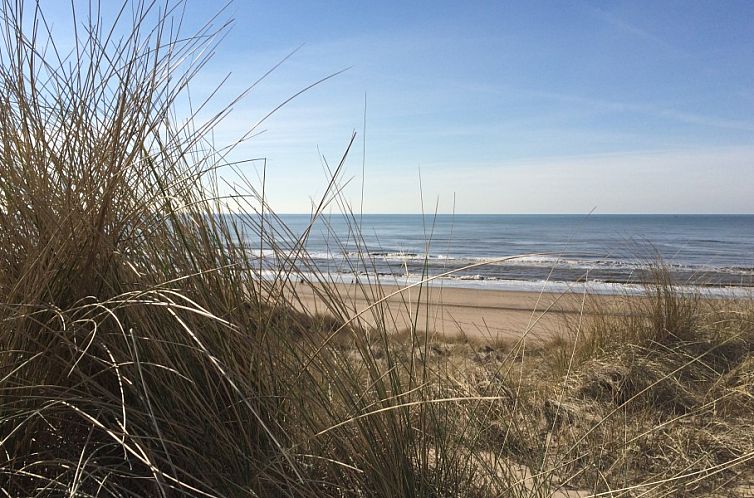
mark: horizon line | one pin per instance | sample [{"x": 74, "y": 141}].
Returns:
[{"x": 527, "y": 214}]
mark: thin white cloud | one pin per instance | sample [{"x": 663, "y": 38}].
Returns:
[
  {"x": 676, "y": 181},
  {"x": 657, "y": 111},
  {"x": 636, "y": 32}
]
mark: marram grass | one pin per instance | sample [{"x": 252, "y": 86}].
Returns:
[{"x": 143, "y": 354}]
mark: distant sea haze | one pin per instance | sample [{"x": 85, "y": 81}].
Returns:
[{"x": 606, "y": 252}]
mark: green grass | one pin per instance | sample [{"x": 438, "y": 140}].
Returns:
[{"x": 143, "y": 354}]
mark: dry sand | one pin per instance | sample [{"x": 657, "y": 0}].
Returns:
[{"x": 450, "y": 311}]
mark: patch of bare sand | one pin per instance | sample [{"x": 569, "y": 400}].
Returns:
[{"x": 477, "y": 313}]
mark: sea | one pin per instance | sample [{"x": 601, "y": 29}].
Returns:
[{"x": 604, "y": 253}]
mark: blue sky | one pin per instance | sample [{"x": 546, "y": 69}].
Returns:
[{"x": 506, "y": 107}]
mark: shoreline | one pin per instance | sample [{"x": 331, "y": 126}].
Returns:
[{"x": 591, "y": 287}]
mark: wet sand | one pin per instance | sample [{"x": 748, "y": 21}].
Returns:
[{"x": 450, "y": 311}]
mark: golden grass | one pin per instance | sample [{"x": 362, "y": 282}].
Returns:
[{"x": 142, "y": 353}]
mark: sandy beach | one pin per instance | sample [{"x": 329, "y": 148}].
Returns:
[{"x": 450, "y": 311}]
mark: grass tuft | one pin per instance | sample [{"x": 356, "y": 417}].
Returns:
[{"x": 146, "y": 349}]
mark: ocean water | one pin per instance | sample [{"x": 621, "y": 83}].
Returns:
[{"x": 527, "y": 251}]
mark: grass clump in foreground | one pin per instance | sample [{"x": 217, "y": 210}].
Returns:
[
  {"x": 661, "y": 376},
  {"x": 143, "y": 354}
]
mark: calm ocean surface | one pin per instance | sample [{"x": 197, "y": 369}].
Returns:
[{"x": 608, "y": 250}]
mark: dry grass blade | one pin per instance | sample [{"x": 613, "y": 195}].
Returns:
[{"x": 147, "y": 349}]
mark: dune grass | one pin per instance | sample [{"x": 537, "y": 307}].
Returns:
[{"x": 145, "y": 351}]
